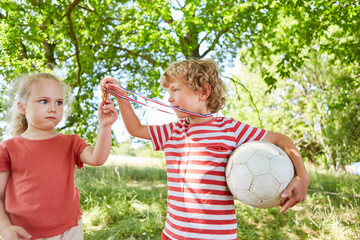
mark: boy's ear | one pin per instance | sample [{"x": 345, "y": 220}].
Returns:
[
  {"x": 205, "y": 92},
  {"x": 21, "y": 108}
]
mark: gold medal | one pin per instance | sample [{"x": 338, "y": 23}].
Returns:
[{"x": 105, "y": 94}]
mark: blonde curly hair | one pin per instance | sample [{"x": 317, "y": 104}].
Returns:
[
  {"x": 21, "y": 91},
  {"x": 197, "y": 73}
]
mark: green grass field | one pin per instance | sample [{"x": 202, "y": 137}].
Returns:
[{"x": 129, "y": 202}]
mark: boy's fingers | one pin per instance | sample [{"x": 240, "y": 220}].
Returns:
[
  {"x": 292, "y": 201},
  {"x": 115, "y": 90},
  {"x": 287, "y": 191},
  {"x": 106, "y": 80},
  {"x": 285, "y": 207},
  {"x": 285, "y": 194},
  {"x": 108, "y": 86},
  {"x": 289, "y": 203}
]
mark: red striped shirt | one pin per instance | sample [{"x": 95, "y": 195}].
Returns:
[{"x": 200, "y": 205}]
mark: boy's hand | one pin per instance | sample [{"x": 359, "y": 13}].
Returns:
[
  {"x": 294, "y": 193},
  {"x": 104, "y": 85},
  {"x": 131, "y": 121},
  {"x": 15, "y": 233},
  {"x": 107, "y": 113},
  {"x": 106, "y": 80}
]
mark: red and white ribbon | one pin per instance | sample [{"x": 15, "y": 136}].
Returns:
[{"x": 154, "y": 101}]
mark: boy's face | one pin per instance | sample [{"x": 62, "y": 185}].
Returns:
[{"x": 182, "y": 96}]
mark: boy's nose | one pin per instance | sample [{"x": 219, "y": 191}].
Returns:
[{"x": 170, "y": 99}]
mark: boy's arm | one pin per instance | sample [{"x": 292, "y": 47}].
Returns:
[
  {"x": 98, "y": 154},
  {"x": 7, "y": 230},
  {"x": 131, "y": 121},
  {"x": 297, "y": 188}
]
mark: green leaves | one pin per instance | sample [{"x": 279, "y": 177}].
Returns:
[
  {"x": 134, "y": 41},
  {"x": 317, "y": 107}
]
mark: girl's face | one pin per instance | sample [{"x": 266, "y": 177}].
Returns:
[
  {"x": 44, "y": 106},
  {"x": 182, "y": 96}
]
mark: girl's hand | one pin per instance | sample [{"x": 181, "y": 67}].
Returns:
[
  {"x": 107, "y": 113},
  {"x": 294, "y": 193},
  {"x": 15, "y": 233}
]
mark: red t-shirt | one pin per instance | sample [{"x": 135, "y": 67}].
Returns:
[
  {"x": 41, "y": 195},
  {"x": 200, "y": 205}
]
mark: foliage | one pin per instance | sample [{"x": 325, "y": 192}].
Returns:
[
  {"x": 134, "y": 41},
  {"x": 313, "y": 57},
  {"x": 307, "y": 27},
  {"x": 131, "y": 40},
  {"x": 318, "y": 108},
  {"x": 343, "y": 120},
  {"x": 142, "y": 149},
  {"x": 123, "y": 148},
  {"x": 122, "y": 202}
]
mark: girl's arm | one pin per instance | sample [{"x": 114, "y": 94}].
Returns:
[
  {"x": 97, "y": 155},
  {"x": 297, "y": 188},
  {"x": 7, "y": 230},
  {"x": 131, "y": 121}
]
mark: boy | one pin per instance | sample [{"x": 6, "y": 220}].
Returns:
[{"x": 200, "y": 206}]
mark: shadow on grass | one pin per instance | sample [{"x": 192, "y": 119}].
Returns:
[
  {"x": 130, "y": 203},
  {"x": 122, "y": 202}
]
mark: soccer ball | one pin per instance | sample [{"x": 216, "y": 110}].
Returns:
[{"x": 257, "y": 173}]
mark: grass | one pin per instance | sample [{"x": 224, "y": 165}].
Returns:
[
  {"x": 129, "y": 202},
  {"x": 122, "y": 202}
]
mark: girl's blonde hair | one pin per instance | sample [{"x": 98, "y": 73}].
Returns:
[
  {"x": 197, "y": 73},
  {"x": 21, "y": 92}
]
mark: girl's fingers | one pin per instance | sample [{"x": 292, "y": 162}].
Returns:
[
  {"x": 108, "y": 102},
  {"x": 108, "y": 106}
]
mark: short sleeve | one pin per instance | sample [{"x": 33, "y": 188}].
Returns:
[
  {"x": 78, "y": 146},
  {"x": 160, "y": 134},
  {"x": 5, "y": 164},
  {"x": 246, "y": 133}
]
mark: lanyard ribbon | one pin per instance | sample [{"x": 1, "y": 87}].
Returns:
[{"x": 154, "y": 101}]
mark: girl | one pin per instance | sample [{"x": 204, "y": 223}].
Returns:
[{"x": 38, "y": 196}]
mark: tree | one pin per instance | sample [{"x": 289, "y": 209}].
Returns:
[
  {"x": 317, "y": 48},
  {"x": 307, "y": 28},
  {"x": 134, "y": 41},
  {"x": 130, "y": 40},
  {"x": 317, "y": 107}
]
